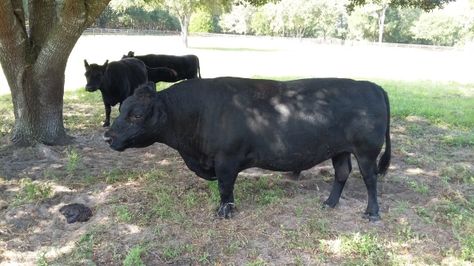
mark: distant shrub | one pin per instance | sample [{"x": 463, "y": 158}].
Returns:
[{"x": 203, "y": 21}]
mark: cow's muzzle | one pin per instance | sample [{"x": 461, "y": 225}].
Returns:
[{"x": 90, "y": 88}]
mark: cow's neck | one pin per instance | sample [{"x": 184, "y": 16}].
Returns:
[{"x": 182, "y": 125}]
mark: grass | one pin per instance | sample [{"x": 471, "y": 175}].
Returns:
[
  {"x": 73, "y": 160},
  {"x": 123, "y": 214},
  {"x": 262, "y": 190},
  {"x": 32, "y": 191},
  {"x": 441, "y": 103},
  {"x": 366, "y": 249},
  {"x": 84, "y": 248},
  {"x": 133, "y": 257},
  {"x": 6, "y": 115}
]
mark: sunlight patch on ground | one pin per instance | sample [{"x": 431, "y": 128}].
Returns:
[
  {"x": 333, "y": 246},
  {"x": 414, "y": 171}
]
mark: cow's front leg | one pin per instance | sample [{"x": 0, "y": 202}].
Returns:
[
  {"x": 108, "y": 109},
  {"x": 226, "y": 174}
]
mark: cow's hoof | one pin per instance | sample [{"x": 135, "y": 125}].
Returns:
[
  {"x": 372, "y": 217},
  {"x": 106, "y": 124},
  {"x": 225, "y": 210},
  {"x": 329, "y": 204}
]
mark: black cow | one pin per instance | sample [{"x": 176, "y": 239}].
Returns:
[
  {"x": 116, "y": 81},
  {"x": 186, "y": 66},
  {"x": 224, "y": 125}
]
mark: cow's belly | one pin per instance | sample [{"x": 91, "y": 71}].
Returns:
[{"x": 290, "y": 160}]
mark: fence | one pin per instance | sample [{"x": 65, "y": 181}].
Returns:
[{"x": 329, "y": 41}]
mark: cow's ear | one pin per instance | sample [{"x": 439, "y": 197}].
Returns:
[
  {"x": 146, "y": 90},
  {"x": 131, "y": 54},
  {"x": 86, "y": 64},
  {"x": 159, "y": 112},
  {"x": 106, "y": 63}
]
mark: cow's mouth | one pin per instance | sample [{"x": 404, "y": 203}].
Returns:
[{"x": 91, "y": 88}]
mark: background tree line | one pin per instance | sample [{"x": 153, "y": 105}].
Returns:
[{"x": 375, "y": 20}]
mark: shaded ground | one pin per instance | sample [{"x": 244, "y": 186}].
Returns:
[{"x": 148, "y": 206}]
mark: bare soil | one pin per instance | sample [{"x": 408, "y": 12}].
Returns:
[{"x": 293, "y": 230}]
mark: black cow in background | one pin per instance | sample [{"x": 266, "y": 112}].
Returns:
[
  {"x": 116, "y": 81},
  {"x": 186, "y": 66}
]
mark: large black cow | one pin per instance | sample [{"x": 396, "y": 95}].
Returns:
[
  {"x": 186, "y": 66},
  {"x": 116, "y": 81},
  {"x": 224, "y": 125}
]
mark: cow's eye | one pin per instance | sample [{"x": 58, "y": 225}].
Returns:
[{"x": 137, "y": 116}]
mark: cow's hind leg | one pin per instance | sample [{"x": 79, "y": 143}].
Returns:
[
  {"x": 226, "y": 172},
  {"x": 342, "y": 168},
  {"x": 368, "y": 169}
]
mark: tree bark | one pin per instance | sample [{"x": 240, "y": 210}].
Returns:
[
  {"x": 382, "y": 13},
  {"x": 184, "y": 23},
  {"x": 34, "y": 64}
]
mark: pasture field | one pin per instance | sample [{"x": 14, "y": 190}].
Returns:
[
  {"x": 249, "y": 56},
  {"x": 149, "y": 209}
]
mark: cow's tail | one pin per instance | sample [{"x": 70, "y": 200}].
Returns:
[
  {"x": 198, "y": 67},
  {"x": 384, "y": 161}
]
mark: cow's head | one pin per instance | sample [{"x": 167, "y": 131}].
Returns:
[
  {"x": 94, "y": 74},
  {"x": 141, "y": 121}
]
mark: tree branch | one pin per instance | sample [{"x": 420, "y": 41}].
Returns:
[
  {"x": 42, "y": 19},
  {"x": 13, "y": 38},
  {"x": 19, "y": 12},
  {"x": 73, "y": 19}
]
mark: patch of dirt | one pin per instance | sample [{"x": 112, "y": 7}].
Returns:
[{"x": 286, "y": 232}]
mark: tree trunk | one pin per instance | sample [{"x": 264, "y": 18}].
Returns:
[
  {"x": 38, "y": 106},
  {"x": 184, "y": 23},
  {"x": 382, "y": 22},
  {"x": 34, "y": 62}
]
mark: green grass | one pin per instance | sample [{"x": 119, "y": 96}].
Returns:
[
  {"x": 32, "y": 191},
  {"x": 84, "y": 248},
  {"x": 6, "y": 115},
  {"x": 263, "y": 190},
  {"x": 73, "y": 160},
  {"x": 133, "y": 257},
  {"x": 123, "y": 214},
  {"x": 41, "y": 260},
  {"x": 171, "y": 252},
  {"x": 442, "y": 103},
  {"x": 365, "y": 249}
]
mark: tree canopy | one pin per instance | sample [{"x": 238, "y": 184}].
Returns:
[{"x": 425, "y": 5}]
